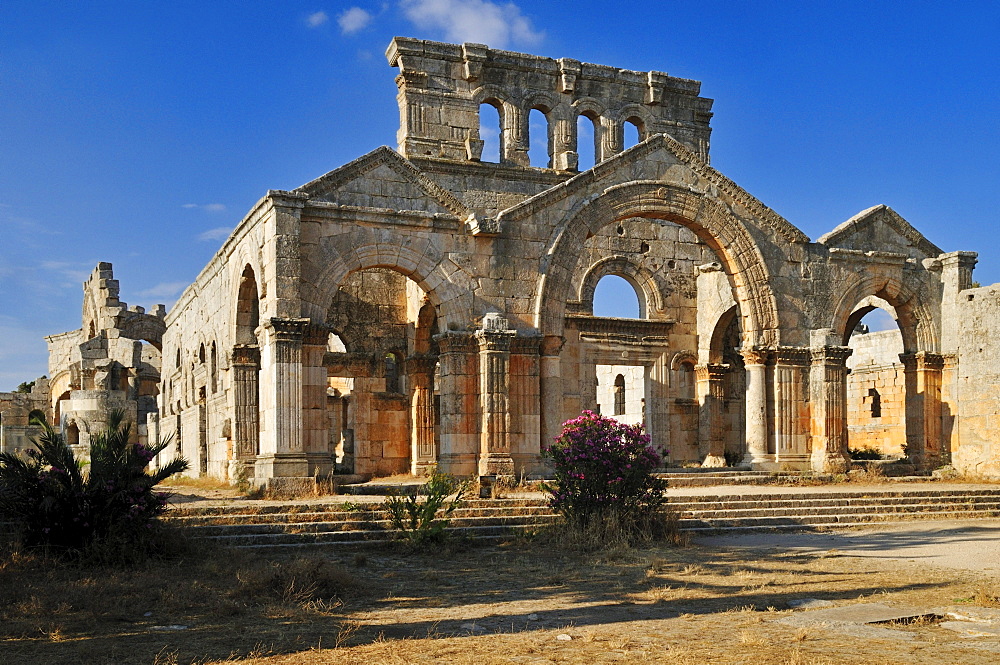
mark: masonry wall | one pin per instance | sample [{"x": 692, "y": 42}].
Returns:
[
  {"x": 978, "y": 381},
  {"x": 876, "y": 422}
]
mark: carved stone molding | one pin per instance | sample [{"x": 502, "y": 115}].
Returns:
[
  {"x": 792, "y": 355},
  {"x": 456, "y": 342},
  {"x": 755, "y": 355},
  {"x": 551, "y": 345}
]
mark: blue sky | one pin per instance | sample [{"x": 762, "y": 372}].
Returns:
[{"x": 140, "y": 133}]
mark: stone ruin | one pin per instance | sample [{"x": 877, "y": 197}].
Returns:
[{"x": 429, "y": 307}]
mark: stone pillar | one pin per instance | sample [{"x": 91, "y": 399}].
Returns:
[
  {"x": 515, "y": 136},
  {"x": 564, "y": 154},
  {"x": 711, "y": 399},
  {"x": 459, "y": 425},
  {"x": 246, "y": 417},
  {"x": 828, "y": 412},
  {"x": 791, "y": 439},
  {"x": 922, "y": 372},
  {"x": 755, "y": 360},
  {"x": 612, "y": 138},
  {"x": 524, "y": 403},
  {"x": 423, "y": 451},
  {"x": 282, "y": 454},
  {"x": 551, "y": 389},
  {"x": 315, "y": 420},
  {"x": 494, "y": 392}
]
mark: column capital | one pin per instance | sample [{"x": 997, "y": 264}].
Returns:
[
  {"x": 316, "y": 334},
  {"x": 711, "y": 372},
  {"x": 830, "y": 355},
  {"x": 755, "y": 355},
  {"x": 456, "y": 342},
  {"x": 420, "y": 363},
  {"x": 526, "y": 344},
  {"x": 286, "y": 329},
  {"x": 552, "y": 345},
  {"x": 792, "y": 355},
  {"x": 922, "y": 360}
]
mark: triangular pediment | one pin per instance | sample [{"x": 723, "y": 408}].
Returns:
[
  {"x": 383, "y": 179},
  {"x": 659, "y": 158},
  {"x": 879, "y": 228}
]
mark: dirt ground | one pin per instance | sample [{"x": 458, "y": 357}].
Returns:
[{"x": 523, "y": 602}]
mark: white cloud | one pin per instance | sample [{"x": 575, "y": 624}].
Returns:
[
  {"x": 353, "y": 20},
  {"x": 218, "y": 233},
  {"x": 480, "y": 21},
  {"x": 317, "y": 19},
  {"x": 207, "y": 207},
  {"x": 164, "y": 290},
  {"x": 76, "y": 273}
]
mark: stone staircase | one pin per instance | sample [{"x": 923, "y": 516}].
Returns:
[{"x": 353, "y": 525}]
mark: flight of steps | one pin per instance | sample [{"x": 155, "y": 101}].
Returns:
[{"x": 298, "y": 525}]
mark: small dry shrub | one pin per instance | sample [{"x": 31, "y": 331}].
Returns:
[{"x": 299, "y": 581}]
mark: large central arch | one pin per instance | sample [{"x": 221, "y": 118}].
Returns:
[{"x": 721, "y": 231}]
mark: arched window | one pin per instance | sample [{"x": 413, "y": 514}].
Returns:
[
  {"x": 586, "y": 141},
  {"x": 616, "y": 297},
  {"x": 391, "y": 373},
  {"x": 539, "y": 139},
  {"x": 634, "y": 133},
  {"x": 491, "y": 131},
  {"x": 72, "y": 435},
  {"x": 685, "y": 381},
  {"x": 620, "y": 395},
  {"x": 247, "y": 308},
  {"x": 36, "y": 416},
  {"x": 177, "y": 363},
  {"x": 201, "y": 353}
]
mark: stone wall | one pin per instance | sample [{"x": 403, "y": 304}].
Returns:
[
  {"x": 876, "y": 393},
  {"x": 977, "y": 384}
]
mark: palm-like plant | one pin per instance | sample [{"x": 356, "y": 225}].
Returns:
[{"x": 54, "y": 503}]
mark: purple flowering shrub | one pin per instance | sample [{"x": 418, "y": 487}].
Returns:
[
  {"x": 55, "y": 504},
  {"x": 603, "y": 469}
]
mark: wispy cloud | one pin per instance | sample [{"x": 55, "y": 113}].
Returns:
[
  {"x": 218, "y": 233},
  {"x": 317, "y": 19},
  {"x": 481, "y": 21},
  {"x": 207, "y": 207},
  {"x": 164, "y": 290},
  {"x": 75, "y": 272},
  {"x": 353, "y": 20},
  {"x": 23, "y": 354}
]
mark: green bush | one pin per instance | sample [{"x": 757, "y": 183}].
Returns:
[
  {"x": 866, "y": 453},
  {"x": 55, "y": 504},
  {"x": 422, "y": 521},
  {"x": 604, "y": 473}
]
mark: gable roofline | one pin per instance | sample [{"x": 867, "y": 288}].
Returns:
[
  {"x": 383, "y": 156},
  {"x": 766, "y": 215},
  {"x": 888, "y": 216}
]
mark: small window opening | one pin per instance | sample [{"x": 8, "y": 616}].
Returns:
[
  {"x": 620, "y": 395},
  {"x": 391, "y": 373},
  {"x": 876, "y": 402}
]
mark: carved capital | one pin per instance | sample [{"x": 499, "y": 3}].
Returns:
[
  {"x": 421, "y": 363},
  {"x": 711, "y": 372},
  {"x": 792, "y": 355},
  {"x": 495, "y": 340},
  {"x": 526, "y": 344},
  {"x": 755, "y": 355},
  {"x": 456, "y": 342},
  {"x": 315, "y": 334},
  {"x": 831, "y": 355},
  {"x": 287, "y": 330},
  {"x": 922, "y": 360},
  {"x": 246, "y": 355},
  {"x": 552, "y": 345}
]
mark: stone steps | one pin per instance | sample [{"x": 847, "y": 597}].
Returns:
[{"x": 331, "y": 524}]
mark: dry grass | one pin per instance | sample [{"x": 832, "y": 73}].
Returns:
[{"x": 652, "y": 603}]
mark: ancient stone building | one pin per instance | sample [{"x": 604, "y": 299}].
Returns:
[
  {"x": 434, "y": 305},
  {"x": 18, "y": 412},
  {"x": 111, "y": 362}
]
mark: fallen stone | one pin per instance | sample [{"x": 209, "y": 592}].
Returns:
[
  {"x": 972, "y": 628},
  {"x": 473, "y": 628},
  {"x": 861, "y": 613},
  {"x": 971, "y": 613},
  {"x": 532, "y": 617},
  {"x": 563, "y": 637},
  {"x": 809, "y": 604}
]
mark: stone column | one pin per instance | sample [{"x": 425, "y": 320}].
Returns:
[
  {"x": 246, "y": 417},
  {"x": 494, "y": 392},
  {"x": 423, "y": 452},
  {"x": 459, "y": 425},
  {"x": 282, "y": 451},
  {"x": 564, "y": 154},
  {"x": 515, "y": 136},
  {"x": 755, "y": 361},
  {"x": 551, "y": 389},
  {"x": 315, "y": 420},
  {"x": 922, "y": 373},
  {"x": 828, "y": 408},
  {"x": 525, "y": 403},
  {"x": 711, "y": 399},
  {"x": 791, "y": 441},
  {"x": 612, "y": 138}
]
